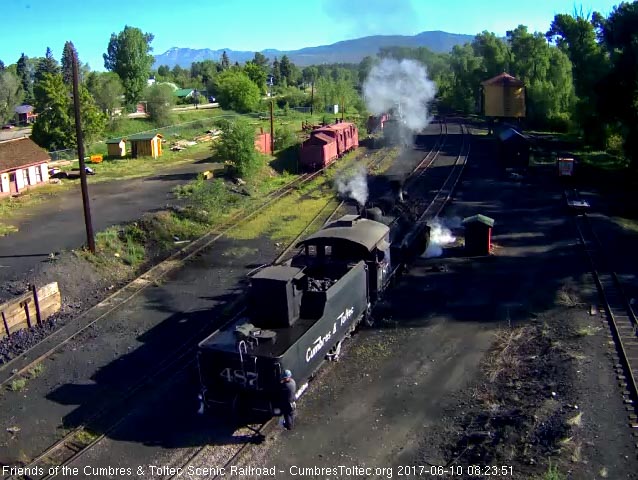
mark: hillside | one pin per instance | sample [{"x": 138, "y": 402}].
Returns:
[{"x": 347, "y": 51}]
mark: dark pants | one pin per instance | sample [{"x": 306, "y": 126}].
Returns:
[{"x": 288, "y": 413}]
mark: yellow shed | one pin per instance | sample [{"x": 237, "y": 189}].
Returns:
[
  {"x": 146, "y": 145},
  {"x": 116, "y": 147},
  {"x": 504, "y": 97}
]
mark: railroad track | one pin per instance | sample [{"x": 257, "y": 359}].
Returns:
[
  {"x": 620, "y": 314},
  {"x": 445, "y": 193},
  {"x": 80, "y": 440},
  {"x": 68, "y": 333},
  {"x": 73, "y": 446}
]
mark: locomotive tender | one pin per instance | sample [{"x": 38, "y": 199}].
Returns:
[{"x": 299, "y": 312}]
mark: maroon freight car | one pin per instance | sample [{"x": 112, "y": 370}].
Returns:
[{"x": 328, "y": 143}]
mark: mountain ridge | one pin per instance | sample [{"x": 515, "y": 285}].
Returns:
[{"x": 344, "y": 51}]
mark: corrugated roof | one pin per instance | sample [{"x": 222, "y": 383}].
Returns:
[
  {"x": 143, "y": 136},
  {"x": 20, "y": 153},
  {"x": 115, "y": 141},
  {"x": 350, "y": 228},
  {"x": 504, "y": 79},
  {"x": 479, "y": 219},
  {"x": 24, "y": 109}
]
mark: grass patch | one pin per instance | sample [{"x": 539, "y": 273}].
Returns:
[
  {"x": 85, "y": 437},
  {"x": 567, "y": 297},
  {"x": 626, "y": 224},
  {"x": 36, "y": 371},
  {"x": 552, "y": 474},
  {"x": 602, "y": 160},
  {"x": 587, "y": 331},
  {"x": 18, "y": 384},
  {"x": 6, "y": 229}
]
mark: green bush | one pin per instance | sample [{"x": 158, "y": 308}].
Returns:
[{"x": 285, "y": 137}]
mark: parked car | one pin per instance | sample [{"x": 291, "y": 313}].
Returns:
[{"x": 8, "y": 126}]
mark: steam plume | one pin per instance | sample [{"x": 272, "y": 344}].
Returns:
[
  {"x": 441, "y": 235},
  {"x": 354, "y": 185},
  {"x": 403, "y": 84}
]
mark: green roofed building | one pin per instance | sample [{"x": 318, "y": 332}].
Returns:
[{"x": 184, "y": 92}]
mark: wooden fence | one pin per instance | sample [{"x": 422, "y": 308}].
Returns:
[{"x": 29, "y": 309}]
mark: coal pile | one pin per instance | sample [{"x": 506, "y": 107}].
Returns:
[
  {"x": 320, "y": 284},
  {"x": 19, "y": 341}
]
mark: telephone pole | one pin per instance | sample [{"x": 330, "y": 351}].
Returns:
[
  {"x": 272, "y": 129},
  {"x": 312, "y": 98},
  {"x": 90, "y": 240}
]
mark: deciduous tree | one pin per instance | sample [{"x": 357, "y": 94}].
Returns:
[
  {"x": 10, "y": 95},
  {"x": 236, "y": 91},
  {"x": 160, "y": 99},
  {"x": 129, "y": 56},
  {"x": 237, "y": 145}
]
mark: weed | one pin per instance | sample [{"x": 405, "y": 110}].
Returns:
[
  {"x": 553, "y": 473},
  {"x": 36, "y": 370},
  {"x": 7, "y": 229},
  {"x": 85, "y": 437},
  {"x": 134, "y": 252},
  {"x": 18, "y": 384},
  {"x": 587, "y": 331},
  {"x": 576, "y": 420}
]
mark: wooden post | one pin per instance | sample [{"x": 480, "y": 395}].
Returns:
[
  {"x": 26, "y": 312},
  {"x": 36, "y": 303},
  {"x": 6, "y": 325}
]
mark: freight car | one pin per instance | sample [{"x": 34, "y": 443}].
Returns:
[
  {"x": 326, "y": 144},
  {"x": 300, "y": 312}
]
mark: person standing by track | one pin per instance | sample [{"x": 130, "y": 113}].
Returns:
[{"x": 288, "y": 392}]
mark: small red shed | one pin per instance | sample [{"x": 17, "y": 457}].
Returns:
[
  {"x": 478, "y": 234},
  {"x": 262, "y": 142}
]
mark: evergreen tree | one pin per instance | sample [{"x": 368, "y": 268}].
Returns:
[
  {"x": 53, "y": 128},
  {"x": 24, "y": 74},
  {"x": 261, "y": 61},
  {"x": 46, "y": 65},
  {"x": 276, "y": 72},
  {"x": 225, "y": 61},
  {"x": 285, "y": 67},
  {"x": 67, "y": 62}
]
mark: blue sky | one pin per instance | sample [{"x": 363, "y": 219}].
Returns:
[{"x": 30, "y": 26}]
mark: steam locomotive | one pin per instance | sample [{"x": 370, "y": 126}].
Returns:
[{"x": 299, "y": 312}]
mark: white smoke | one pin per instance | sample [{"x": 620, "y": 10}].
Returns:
[
  {"x": 354, "y": 185},
  {"x": 441, "y": 235},
  {"x": 403, "y": 86}
]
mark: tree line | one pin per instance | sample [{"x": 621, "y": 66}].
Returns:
[{"x": 580, "y": 75}]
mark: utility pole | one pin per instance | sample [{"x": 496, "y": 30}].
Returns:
[
  {"x": 272, "y": 129},
  {"x": 90, "y": 240},
  {"x": 343, "y": 107},
  {"x": 312, "y": 98}
]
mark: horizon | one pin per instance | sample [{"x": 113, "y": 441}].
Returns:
[{"x": 89, "y": 25}]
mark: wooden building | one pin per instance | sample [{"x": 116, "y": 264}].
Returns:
[
  {"x": 23, "y": 164},
  {"x": 503, "y": 97},
  {"x": 25, "y": 115},
  {"x": 145, "y": 145},
  {"x": 262, "y": 142},
  {"x": 116, "y": 147},
  {"x": 478, "y": 235}
]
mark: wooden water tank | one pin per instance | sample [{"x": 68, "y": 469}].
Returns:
[{"x": 504, "y": 97}]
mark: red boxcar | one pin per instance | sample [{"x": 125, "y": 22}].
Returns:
[{"x": 328, "y": 143}]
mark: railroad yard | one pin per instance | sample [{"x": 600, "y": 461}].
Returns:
[{"x": 501, "y": 361}]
